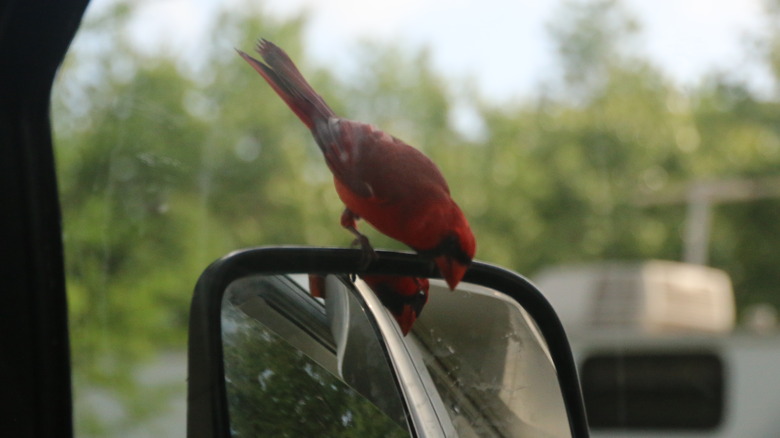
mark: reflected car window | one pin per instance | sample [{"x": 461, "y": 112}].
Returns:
[
  {"x": 282, "y": 369},
  {"x": 490, "y": 365}
]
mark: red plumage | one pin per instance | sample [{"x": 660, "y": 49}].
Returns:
[
  {"x": 404, "y": 297},
  {"x": 381, "y": 179}
]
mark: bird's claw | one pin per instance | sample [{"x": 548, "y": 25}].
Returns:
[{"x": 368, "y": 254}]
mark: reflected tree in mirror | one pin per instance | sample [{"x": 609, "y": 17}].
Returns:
[{"x": 281, "y": 369}]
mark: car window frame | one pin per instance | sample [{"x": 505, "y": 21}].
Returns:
[{"x": 34, "y": 38}]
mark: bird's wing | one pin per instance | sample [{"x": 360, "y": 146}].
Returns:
[{"x": 374, "y": 164}]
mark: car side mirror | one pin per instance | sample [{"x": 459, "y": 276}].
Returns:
[{"x": 266, "y": 358}]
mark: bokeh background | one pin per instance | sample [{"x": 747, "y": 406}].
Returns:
[{"x": 569, "y": 131}]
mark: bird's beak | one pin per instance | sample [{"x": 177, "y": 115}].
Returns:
[{"x": 451, "y": 270}]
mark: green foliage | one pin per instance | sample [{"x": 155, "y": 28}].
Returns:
[
  {"x": 275, "y": 390},
  {"x": 590, "y": 38},
  {"x": 166, "y": 164}
]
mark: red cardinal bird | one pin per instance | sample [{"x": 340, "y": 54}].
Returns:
[
  {"x": 317, "y": 286},
  {"x": 404, "y": 297},
  {"x": 381, "y": 179}
]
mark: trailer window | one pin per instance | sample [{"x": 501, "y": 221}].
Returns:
[{"x": 653, "y": 390}]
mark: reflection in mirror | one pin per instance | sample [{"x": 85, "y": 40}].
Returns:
[
  {"x": 490, "y": 364},
  {"x": 282, "y": 366},
  {"x": 343, "y": 364}
]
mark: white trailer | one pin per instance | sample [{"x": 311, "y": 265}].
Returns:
[{"x": 659, "y": 354}]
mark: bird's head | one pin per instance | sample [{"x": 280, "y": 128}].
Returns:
[{"x": 453, "y": 255}]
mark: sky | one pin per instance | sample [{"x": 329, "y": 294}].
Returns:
[
  {"x": 505, "y": 45},
  {"x": 502, "y": 45}
]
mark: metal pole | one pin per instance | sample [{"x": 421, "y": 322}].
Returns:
[{"x": 698, "y": 222}]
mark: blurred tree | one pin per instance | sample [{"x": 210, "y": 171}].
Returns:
[
  {"x": 565, "y": 172},
  {"x": 591, "y": 38},
  {"x": 770, "y": 42},
  {"x": 167, "y": 162},
  {"x": 739, "y": 134},
  {"x": 163, "y": 170},
  {"x": 570, "y": 175}
]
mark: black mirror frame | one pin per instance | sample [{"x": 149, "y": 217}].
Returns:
[{"x": 207, "y": 411}]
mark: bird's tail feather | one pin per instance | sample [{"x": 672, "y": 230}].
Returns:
[{"x": 281, "y": 73}]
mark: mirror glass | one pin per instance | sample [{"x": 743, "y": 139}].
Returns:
[
  {"x": 473, "y": 365},
  {"x": 490, "y": 364},
  {"x": 282, "y": 367}
]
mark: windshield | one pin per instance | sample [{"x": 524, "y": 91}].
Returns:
[{"x": 568, "y": 131}]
